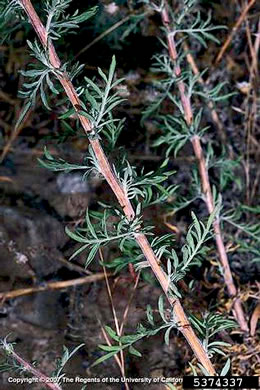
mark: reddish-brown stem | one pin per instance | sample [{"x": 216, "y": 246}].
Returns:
[
  {"x": 210, "y": 103},
  {"x": 45, "y": 380},
  {"x": 232, "y": 291},
  {"x": 234, "y": 30},
  {"x": 205, "y": 183},
  {"x": 121, "y": 196}
]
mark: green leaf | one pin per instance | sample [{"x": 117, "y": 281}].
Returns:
[
  {"x": 112, "y": 69},
  {"x": 75, "y": 236},
  {"x": 78, "y": 251},
  {"x": 226, "y": 368},
  {"x": 149, "y": 314},
  {"x": 94, "y": 86},
  {"x": 167, "y": 335},
  {"x": 102, "y": 74},
  {"x": 110, "y": 348},
  {"x": 111, "y": 333},
  {"x": 134, "y": 351},
  {"x": 92, "y": 254},
  {"x": 103, "y": 358},
  {"x": 23, "y": 113},
  {"x": 161, "y": 308}
]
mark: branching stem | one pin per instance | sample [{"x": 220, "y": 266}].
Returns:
[
  {"x": 203, "y": 171},
  {"x": 120, "y": 194}
]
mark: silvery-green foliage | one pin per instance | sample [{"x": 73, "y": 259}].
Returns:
[
  {"x": 39, "y": 75},
  {"x": 193, "y": 251},
  {"x": 141, "y": 184},
  {"x": 199, "y": 29},
  {"x": 235, "y": 218},
  {"x": 126, "y": 342},
  {"x": 224, "y": 166},
  {"x": 249, "y": 248},
  {"x": 133, "y": 24},
  {"x": 10, "y": 16},
  {"x": 188, "y": 15},
  {"x": 101, "y": 98},
  {"x": 112, "y": 131},
  {"x": 176, "y": 133},
  {"x": 123, "y": 342},
  {"x": 57, "y": 374},
  {"x": 58, "y": 164},
  {"x": 58, "y": 22},
  {"x": 110, "y": 226},
  {"x": 131, "y": 255},
  {"x": 42, "y": 74},
  {"x": 208, "y": 327},
  {"x": 12, "y": 364},
  {"x": 194, "y": 193},
  {"x": 161, "y": 64},
  {"x": 97, "y": 102}
]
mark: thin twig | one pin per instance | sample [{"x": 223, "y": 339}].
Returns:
[
  {"x": 103, "y": 35},
  {"x": 45, "y": 380},
  {"x": 234, "y": 30},
  {"x": 121, "y": 353},
  {"x": 251, "y": 105},
  {"x": 125, "y": 315},
  {"x": 110, "y": 344},
  {"x": 52, "y": 286},
  {"x": 120, "y": 194},
  {"x": 206, "y": 189},
  {"x": 16, "y": 131}
]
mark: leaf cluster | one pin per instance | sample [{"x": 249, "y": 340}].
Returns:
[
  {"x": 176, "y": 133},
  {"x": 199, "y": 29},
  {"x": 208, "y": 327},
  {"x": 192, "y": 252},
  {"x": 59, "y": 164},
  {"x": 10, "y": 15},
  {"x": 140, "y": 186},
  {"x": 127, "y": 341},
  {"x": 99, "y": 102},
  {"x": 235, "y": 217},
  {"x": 59, "y": 21},
  {"x": 62, "y": 361},
  {"x": 225, "y": 167},
  {"x": 110, "y": 226}
]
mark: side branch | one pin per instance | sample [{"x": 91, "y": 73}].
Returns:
[
  {"x": 205, "y": 183},
  {"x": 42, "y": 377}
]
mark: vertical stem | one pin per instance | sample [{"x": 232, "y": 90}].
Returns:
[
  {"x": 205, "y": 183},
  {"x": 210, "y": 206},
  {"x": 105, "y": 168}
]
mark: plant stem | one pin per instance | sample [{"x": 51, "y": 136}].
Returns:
[
  {"x": 43, "y": 378},
  {"x": 210, "y": 103},
  {"x": 234, "y": 30},
  {"x": 105, "y": 168},
  {"x": 205, "y": 183},
  {"x": 52, "y": 286}
]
